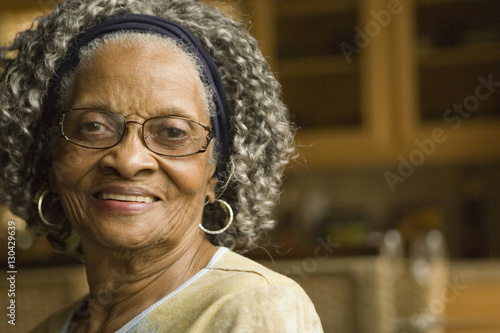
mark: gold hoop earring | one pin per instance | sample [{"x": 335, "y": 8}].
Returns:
[
  {"x": 230, "y": 219},
  {"x": 40, "y": 210}
]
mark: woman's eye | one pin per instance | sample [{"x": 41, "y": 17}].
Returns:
[
  {"x": 92, "y": 127},
  {"x": 173, "y": 133},
  {"x": 171, "y": 129}
]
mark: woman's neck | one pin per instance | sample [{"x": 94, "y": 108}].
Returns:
[{"x": 124, "y": 283}]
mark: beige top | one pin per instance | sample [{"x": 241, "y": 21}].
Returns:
[{"x": 231, "y": 294}]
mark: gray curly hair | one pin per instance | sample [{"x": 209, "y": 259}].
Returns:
[{"x": 262, "y": 136}]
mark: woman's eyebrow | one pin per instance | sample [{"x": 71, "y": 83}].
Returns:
[
  {"x": 159, "y": 112},
  {"x": 176, "y": 111}
]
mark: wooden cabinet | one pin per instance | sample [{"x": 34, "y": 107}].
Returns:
[
  {"x": 328, "y": 90},
  {"x": 371, "y": 82},
  {"x": 450, "y": 74}
]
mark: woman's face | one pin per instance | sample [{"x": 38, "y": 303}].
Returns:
[{"x": 139, "y": 83}]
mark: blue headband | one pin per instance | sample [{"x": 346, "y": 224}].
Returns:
[{"x": 152, "y": 24}]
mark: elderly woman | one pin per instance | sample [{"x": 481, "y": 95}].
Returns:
[{"x": 130, "y": 132}]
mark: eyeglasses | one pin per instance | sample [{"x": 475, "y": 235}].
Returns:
[{"x": 169, "y": 136}]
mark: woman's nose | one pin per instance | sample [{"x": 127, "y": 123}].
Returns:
[{"x": 130, "y": 157}]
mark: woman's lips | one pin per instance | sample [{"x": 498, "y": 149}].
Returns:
[
  {"x": 123, "y": 197},
  {"x": 123, "y": 200}
]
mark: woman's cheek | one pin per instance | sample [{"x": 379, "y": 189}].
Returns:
[
  {"x": 75, "y": 206},
  {"x": 67, "y": 158},
  {"x": 190, "y": 174}
]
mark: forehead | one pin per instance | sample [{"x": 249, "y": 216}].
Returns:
[{"x": 141, "y": 78}]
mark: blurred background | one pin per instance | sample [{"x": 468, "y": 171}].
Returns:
[{"x": 393, "y": 208}]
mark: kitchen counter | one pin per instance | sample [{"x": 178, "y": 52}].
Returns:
[{"x": 473, "y": 296}]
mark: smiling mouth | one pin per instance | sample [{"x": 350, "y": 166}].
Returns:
[{"x": 127, "y": 198}]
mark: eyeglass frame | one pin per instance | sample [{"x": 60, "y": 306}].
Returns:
[{"x": 210, "y": 134}]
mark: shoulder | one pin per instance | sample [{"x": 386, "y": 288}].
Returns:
[
  {"x": 261, "y": 300},
  {"x": 239, "y": 274},
  {"x": 238, "y": 267}
]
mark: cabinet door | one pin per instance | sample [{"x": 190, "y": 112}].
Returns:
[
  {"x": 455, "y": 46},
  {"x": 331, "y": 59}
]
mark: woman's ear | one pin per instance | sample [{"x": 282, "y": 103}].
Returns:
[{"x": 211, "y": 189}]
